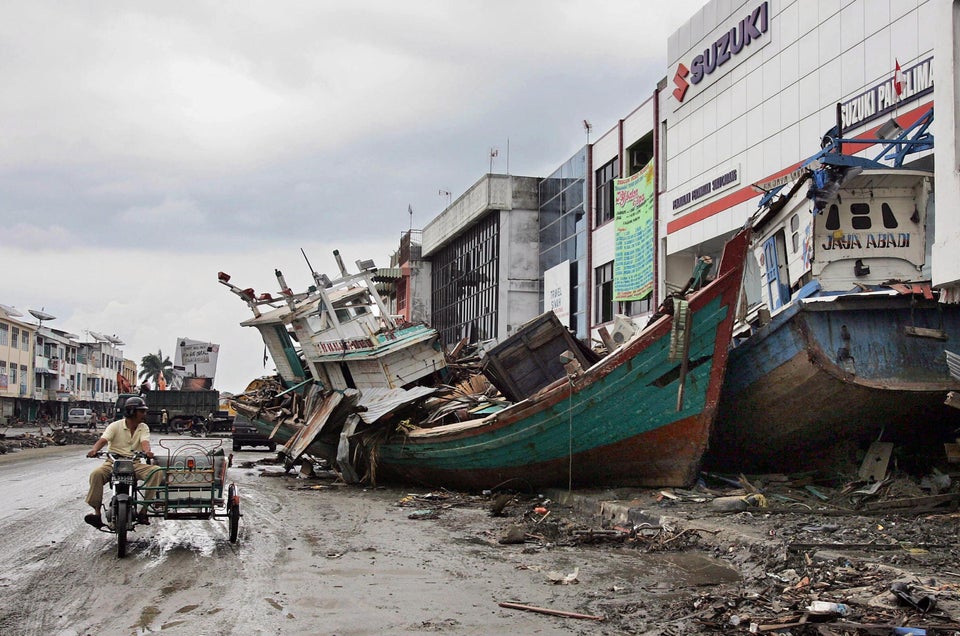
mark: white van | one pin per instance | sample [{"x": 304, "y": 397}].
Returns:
[{"x": 81, "y": 417}]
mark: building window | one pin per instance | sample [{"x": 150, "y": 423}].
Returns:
[
  {"x": 603, "y": 293},
  {"x": 15, "y": 338},
  {"x": 604, "y": 191},
  {"x": 23, "y": 378},
  {"x": 464, "y": 283},
  {"x": 13, "y": 374},
  {"x": 25, "y": 342},
  {"x": 4, "y": 333}
]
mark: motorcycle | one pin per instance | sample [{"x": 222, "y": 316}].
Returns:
[
  {"x": 121, "y": 513},
  {"x": 194, "y": 487}
]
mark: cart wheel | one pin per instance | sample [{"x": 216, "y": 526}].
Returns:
[
  {"x": 272, "y": 447},
  {"x": 233, "y": 502},
  {"x": 121, "y": 523},
  {"x": 237, "y": 446}
]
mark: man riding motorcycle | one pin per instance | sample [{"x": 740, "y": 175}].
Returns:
[{"x": 124, "y": 437}]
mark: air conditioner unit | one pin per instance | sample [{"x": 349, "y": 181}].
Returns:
[{"x": 623, "y": 329}]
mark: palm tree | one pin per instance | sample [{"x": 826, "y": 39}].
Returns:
[{"x": 153, "y": 364}]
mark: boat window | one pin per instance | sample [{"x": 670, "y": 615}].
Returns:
[
  {"x": 833, "y": 218},
  {"x": 889, "y": 219},
  {"x": 860, "y": 216},
  {"x": 794, "y": 230}
]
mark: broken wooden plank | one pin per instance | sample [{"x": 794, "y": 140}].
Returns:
[
  {"x": 874, "y": 466},
  {"x": 861, "y": 546},
  {"x": 551, "y": 612},
  {"x": 912, "y": 502},
  {"x": 606, "y": 338}
]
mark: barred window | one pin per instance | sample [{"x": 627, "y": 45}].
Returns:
[{"x": 464, "y": 285}]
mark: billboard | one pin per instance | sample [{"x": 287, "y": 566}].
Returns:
[{"x": 195, "y": 358}]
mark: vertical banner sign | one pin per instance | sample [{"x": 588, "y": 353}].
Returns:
[
  {"x": 556, "y": 291},
  {"x": 633, "y": 256}
]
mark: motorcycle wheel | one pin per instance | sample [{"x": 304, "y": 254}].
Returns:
[
  {"x": 121, "y": 524},
  {"x": 234, "y": 513}
]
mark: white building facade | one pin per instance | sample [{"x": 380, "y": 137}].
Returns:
[{"x": 753, "y": 86}]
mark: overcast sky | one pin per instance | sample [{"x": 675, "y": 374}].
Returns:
[{"x": 147, "y": 146}]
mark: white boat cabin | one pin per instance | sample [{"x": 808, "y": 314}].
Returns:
[{"x": 870, "y": 231}]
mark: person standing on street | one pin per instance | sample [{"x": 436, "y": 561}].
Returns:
[{"x": 123, "y": 437}]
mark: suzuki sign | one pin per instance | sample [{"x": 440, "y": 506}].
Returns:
[{"x": 736, "y": 44}]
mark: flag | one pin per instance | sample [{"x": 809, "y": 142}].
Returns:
[
  {"x": 898, "y": 79},
  {"x": 410, "y": 209}
]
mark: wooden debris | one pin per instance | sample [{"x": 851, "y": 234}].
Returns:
[
  {"x": 874, "y": 466},
  {"x": 551, "y": 612}
]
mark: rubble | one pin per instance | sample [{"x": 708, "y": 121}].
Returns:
[{"x": 56, "y": 437}]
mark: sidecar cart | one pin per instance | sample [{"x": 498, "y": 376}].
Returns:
[{"x": 193, "y": 486}]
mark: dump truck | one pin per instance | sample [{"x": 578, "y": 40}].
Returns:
[{"x": 185, "y": 409}]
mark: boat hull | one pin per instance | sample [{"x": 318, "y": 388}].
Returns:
[
  {"x": 831, "y": 372},
  {"x": 616, "y": 424}
]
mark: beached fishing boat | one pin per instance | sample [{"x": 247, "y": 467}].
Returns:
[
  {"x": 641, "y": 416},
  {"x": 329, "y": 344},
  {"x": 844, "y": 338}
]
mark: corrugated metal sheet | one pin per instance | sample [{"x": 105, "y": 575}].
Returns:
[
  {"x": 378, "y": 402},
  {"x": 953, "y": 361}
]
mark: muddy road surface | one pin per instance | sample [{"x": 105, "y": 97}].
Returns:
[{"x": 312, "y": 558}]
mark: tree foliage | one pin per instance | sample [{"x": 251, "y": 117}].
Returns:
[{"x": 153, "y": 364}]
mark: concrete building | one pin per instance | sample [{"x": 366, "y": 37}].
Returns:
[
  {"x": 55, "y": 373},
  {"x": 484, "y": 269},
  {"x": 98, "y": 365},
  {"x": 753, "y": 87},
  {"x": 16, "y": 365}
]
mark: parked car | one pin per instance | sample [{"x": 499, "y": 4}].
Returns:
[
  {"x": 246, "y": 434},
  {"x": 81, "y": 417}
]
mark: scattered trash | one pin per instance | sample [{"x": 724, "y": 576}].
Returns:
[
  {"x": 735, "y": 504},
  {"x": 907, "y": 595},
  {"x": 432, "y": 513},
  {"x": 827, "y": 608},
  {"x": 558, "y": 578}
]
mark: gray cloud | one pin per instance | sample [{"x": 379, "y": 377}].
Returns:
[{"x": 187, "y": 130}]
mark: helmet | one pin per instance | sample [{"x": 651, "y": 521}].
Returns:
[{"x": 132, "y": 404}]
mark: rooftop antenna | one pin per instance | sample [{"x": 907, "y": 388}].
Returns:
[
  {"x": 587, "y": 127},
  {"x": 448, "y": 194},
  {"x": 493, "y": 153}
]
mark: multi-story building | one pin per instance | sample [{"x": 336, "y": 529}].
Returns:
[
  {"x": 55, "y": 373},
  {"x": 483, "y": 249},
  {"x": 128, "y": 370},
  {"x": 754, "y": 87},
  {"x": 16, "y": 364},
  {"x": 98, "y": 364}
]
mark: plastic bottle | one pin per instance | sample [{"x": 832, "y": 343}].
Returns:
[{"x": 825, "y": 607}]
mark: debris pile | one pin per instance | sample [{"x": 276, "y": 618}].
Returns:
[{"x": 56, "y": 437}]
